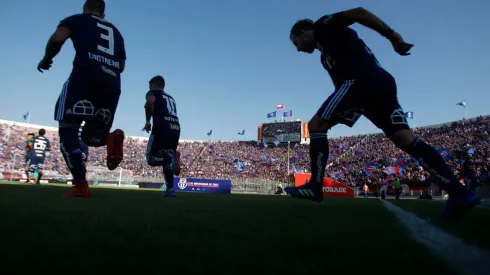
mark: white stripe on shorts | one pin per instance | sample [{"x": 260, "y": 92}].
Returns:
[
  {"x": 62, "y": 100},
  {"x": 336, "y": 99}
]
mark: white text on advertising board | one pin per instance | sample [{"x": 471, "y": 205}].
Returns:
[{"x": 335, "y": 189}]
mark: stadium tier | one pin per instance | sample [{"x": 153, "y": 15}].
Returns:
[{"x": 353, "y": 160}]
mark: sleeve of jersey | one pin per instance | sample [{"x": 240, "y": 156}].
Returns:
[{"x": 68, "y": 22}]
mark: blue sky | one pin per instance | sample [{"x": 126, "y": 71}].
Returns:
[{"x": 229, "y": 63}]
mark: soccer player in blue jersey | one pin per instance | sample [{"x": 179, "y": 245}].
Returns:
[
  {"x": 28, "y": 157},
  {"x": 92, "y": 91},
  {"x": 363, "y": 87},
  {"x": 165, "y": 134},
  {"x": 40, "y": 145}
]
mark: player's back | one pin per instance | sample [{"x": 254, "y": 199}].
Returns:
[
  {"x": 40, "y": 144},
  {"x": 99, "y": 47},
  {"x": 345, "y": 53},
  {"x": 165, "y": 112}
]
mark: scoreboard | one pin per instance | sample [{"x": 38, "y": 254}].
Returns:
[{"x": 292, "y": 131}]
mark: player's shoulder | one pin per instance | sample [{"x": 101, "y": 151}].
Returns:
[{"x": 167, "y": 95}]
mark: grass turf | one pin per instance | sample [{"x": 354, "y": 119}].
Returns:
[{"x": 140, "y": 232}]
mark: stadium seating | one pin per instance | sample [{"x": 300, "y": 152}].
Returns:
[{"x": 348, "y": 159}]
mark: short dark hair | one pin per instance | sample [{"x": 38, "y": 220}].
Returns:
[
  {"x": 31, "y": 134},
  {"x": 42, "y": 132},
  {"x": 302, "y": 25},
  {"x": 158, "y": 80},
  {"x": 96, "y": 5}
]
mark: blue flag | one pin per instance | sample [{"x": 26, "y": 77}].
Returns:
[
  {"x": 210, "y": 133},
  {"x": 241, "y": 133},
  {"x": 26, "y": 116},
  {"x": 462, "y": 104},
  {"x": 273, "y": 114},
  {"x": 409, "y": 115},
  {"x": 288, "y": 113}
]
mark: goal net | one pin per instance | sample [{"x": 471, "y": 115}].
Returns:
[{"x": 117, "y": 178}]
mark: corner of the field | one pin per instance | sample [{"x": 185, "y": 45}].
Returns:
[{"x": 465, "y": 258}]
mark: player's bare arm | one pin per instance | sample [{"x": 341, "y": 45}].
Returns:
[
  {"x": 53, "y": 47},
  {"x": 150, "y": 102},
  {"x": 368, "y": 19}
]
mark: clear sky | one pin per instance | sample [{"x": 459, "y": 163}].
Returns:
[{"x": 229, "y": 63}]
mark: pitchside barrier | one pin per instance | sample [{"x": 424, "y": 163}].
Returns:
[{"x": 331, "y": 187}]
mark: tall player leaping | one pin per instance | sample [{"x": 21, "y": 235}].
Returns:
[
  {"x": 363, "y": 87},
  {"x": 28, "y": 157},
  {"x": 164, "y": 138},
  {"x": 92, "y": 91}
]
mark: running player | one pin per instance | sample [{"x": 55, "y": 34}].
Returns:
[
  {"x": 92, "y": 91},
  {"x": 164, "y": 138},
  {"x": 363, "y": 87},
  {"x": 40, "y": 146},
  {"x": 28, "y": 157}
]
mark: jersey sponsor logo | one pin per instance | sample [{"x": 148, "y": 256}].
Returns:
[
  {"x": 175, "y": 127},
  {"x": 83, "y": 108}
]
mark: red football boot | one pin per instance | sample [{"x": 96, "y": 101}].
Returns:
[
  {"x": 115, "y": 143},
  {"x": 80, "y": 190}
]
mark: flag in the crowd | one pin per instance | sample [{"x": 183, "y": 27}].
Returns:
[
  {"x": 288, "y": 113},
  {"x": 280, "y": 107},
  {"x": 265, "y": 144},
  {"x": 143, "y": 129},
  {"x": 359, "y": 153},
  {"x": 240, "y": 166},
  {"x": 462, "y": 103},
  {"x": 273, "y": 114},
  {"x": 370, "y": 168},
  {"x": 276, "y": 142},
  {"x": 241, "y": 133},
  {"x": 210, "y": 133},
  {"x": 293, "y": 168},
  {"x": 409, "y": 115},
  {"x": 414, "y": 160},
  {"x": 445, "y": 154},
  {"x": 26, "y": 116},
  {"x": 470, "y": 152}
]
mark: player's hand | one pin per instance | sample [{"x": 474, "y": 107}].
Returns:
[
  {"x": 44, "y": 65},
  {"x": 148, "y": 127},
  {"x": 400, "y": 46}
]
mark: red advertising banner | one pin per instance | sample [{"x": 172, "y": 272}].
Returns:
[{"x": 331, "y": 188}]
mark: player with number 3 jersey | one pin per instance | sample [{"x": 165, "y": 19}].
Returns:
[
  {"x": 363, "y": 87},
  {"x": 92, "y": 91},
  {"x": 164, "y": 139}
]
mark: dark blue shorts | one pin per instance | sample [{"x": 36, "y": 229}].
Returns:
[
  {"x": 87, "y": 98},
  {"x": 376, "y": 99},
  {"x": 27, "y": 159},
  {"x": 36, "y": 163},
  {"x": 161, "y": 148}
]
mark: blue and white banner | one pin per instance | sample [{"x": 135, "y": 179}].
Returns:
[{"x": 202, "y": 185}]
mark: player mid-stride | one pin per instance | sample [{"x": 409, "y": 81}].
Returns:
[
  {"x": 92, "y": 91},
  {"x": 28, "y": 157},
  {"x": 165, "y": 134},
  {"x": 363, "y": 87}
]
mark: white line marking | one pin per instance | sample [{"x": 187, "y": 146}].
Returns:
[{"x": 467, "y": 259}]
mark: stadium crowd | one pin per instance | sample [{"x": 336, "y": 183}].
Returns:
[{"x": 353, "y": 160}]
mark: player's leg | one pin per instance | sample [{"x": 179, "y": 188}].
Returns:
[
  {"x": 27, "y": 163},
  {"x": 71, "y": 109},
  {"x": 386, "y": 113},
  {"x": 171, "y": 161},
  {"x": 96, "y": 131},
  {"x": 40, "y": 167},
  {"x": 330, "y": 113}
]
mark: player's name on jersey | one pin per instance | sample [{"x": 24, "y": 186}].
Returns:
[
  {"x": 105, "y": 60},
  {"x": 171, "y": 119}
]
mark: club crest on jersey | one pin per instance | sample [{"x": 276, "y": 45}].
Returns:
[{"x": 182, "y": 183}]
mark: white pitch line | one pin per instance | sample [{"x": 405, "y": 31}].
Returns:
[{"x": 465, "y": 258}]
